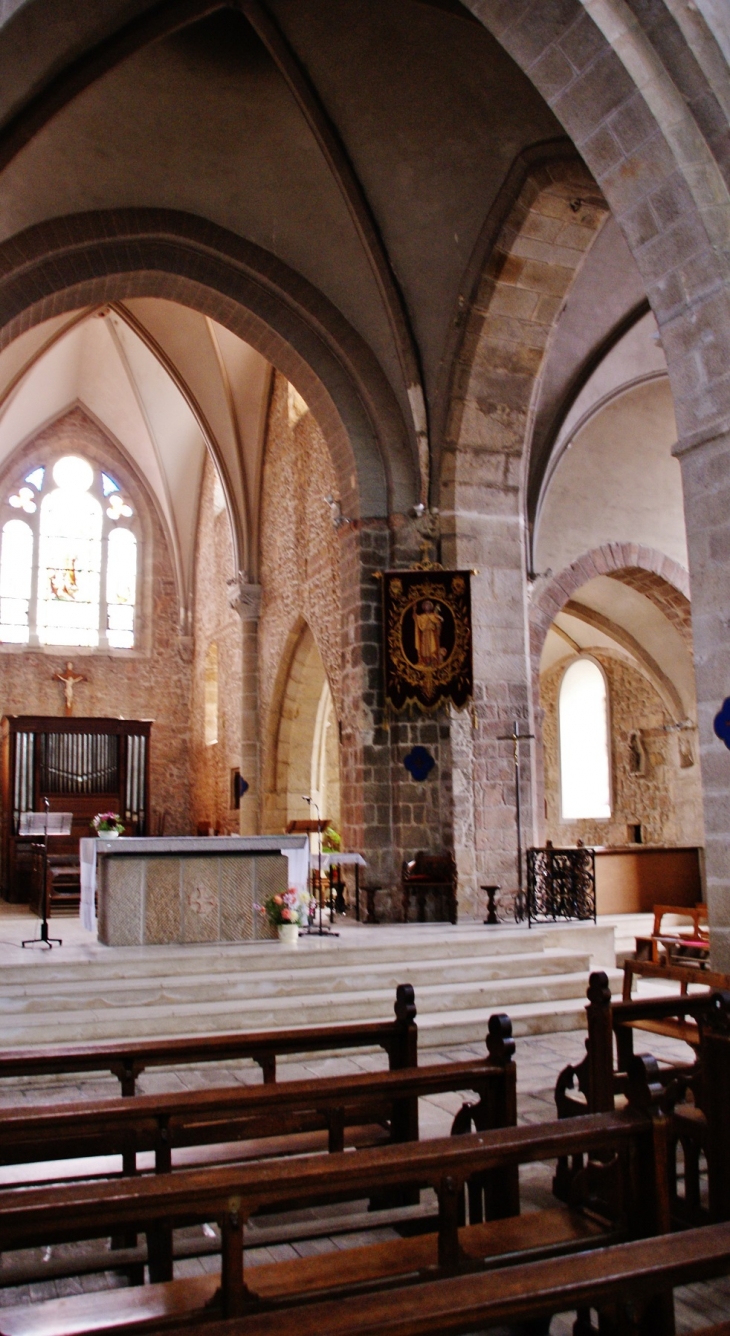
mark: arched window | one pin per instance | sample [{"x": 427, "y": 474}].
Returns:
[
  {"x": 210, "y": 699},
  {"x": 78, "y": 524},
  {"x": 16, "y": 575},
  {"x": 585, "y": 779}
]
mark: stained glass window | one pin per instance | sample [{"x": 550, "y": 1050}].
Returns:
[
  {"x": 84, "y": 588},
  {"x": 69, "y": 558}
]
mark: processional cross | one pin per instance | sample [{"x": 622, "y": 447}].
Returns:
[
  {"x": 515, "y": 737},
  {"x": 70, "y": 679}
]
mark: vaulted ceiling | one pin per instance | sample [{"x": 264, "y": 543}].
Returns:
[{"x": 167, "y": 384}]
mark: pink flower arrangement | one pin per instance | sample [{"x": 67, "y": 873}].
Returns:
[
  {"x": 104, "y": 821},
  {"x": 291, "y": 906}
]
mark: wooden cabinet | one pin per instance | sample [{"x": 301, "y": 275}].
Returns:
[{"x": 633, "y": 878}]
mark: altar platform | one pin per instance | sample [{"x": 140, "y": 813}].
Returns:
[{"x": 84, "y": 990}]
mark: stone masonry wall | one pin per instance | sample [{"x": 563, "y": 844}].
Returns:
[
  {"x": 316, "y": 575},
  {"x": 215, "y": 622},
  {"x": 666, "y": 800},
  {"x": 300, "y": 566},
  {"x": 150, "y": 683}
]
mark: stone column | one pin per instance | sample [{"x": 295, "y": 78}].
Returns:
[
  {"x": 246, "y": 599},
  {"x": 706, "y": 482},
  {"x": 387, "y": 815},
  {"x": 489, "y": 537}
]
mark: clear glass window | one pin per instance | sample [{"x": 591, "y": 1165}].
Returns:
[
  {"x": 16, "y": 579},
  {"x": 585, "y": 774},
  {"x": 121, "y": 587}
]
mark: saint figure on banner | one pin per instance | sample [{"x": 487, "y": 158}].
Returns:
[{"x": 428, "y": 634}]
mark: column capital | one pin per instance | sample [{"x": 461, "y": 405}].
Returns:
[{"x": 244, "y": 598}]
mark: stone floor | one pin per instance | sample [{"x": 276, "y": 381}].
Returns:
[{"x": 539, "y": 1059}]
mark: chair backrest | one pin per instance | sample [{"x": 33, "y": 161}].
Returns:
[{"x": 434, "y": 867}]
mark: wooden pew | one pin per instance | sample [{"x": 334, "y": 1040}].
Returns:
[
  {"x": 169, "y": 1131},
  {"x": 620, "y": 1187},
  {"x": 684, "y": 975},
  {"x": 127, "y": 1059},
  {"x": 596, "y": 1083},
  {"x": 598, "y": 1080},
  {"x": 629, "y": 1283}
]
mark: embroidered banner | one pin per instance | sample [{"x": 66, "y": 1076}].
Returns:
[{"x": 427, "y": 637}]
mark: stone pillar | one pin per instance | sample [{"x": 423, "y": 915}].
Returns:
[
  {"x": 706, "y": 482},
  {"x": 246, "y": 599},
  {"x": 489, "y": 537},
  {"x": 387, "y": 816}
]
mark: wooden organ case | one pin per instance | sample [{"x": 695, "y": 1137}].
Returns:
[{"x": 83, "y": 766}]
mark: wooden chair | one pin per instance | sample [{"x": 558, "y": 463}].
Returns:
[
  {"x": 434, "y": 875},
  {"x": 679, "y": 947}
]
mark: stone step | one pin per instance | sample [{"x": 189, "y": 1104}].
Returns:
[
  {"x": 159, "y": 962},
  {"x": 329, "y": 981},
  {"x": 452, "y": 1002}
]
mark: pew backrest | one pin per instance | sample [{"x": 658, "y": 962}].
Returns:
[
  {"x": 160, "y": 1123},
  {"x": 128, "y": 1059}
]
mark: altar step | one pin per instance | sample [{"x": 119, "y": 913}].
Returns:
[{"x": 460, "y": 975}]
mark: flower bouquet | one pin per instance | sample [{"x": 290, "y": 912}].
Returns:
[
  {"x": 331, "y": 841},
  {"x": 288, "y": 912},
  {"x": 108, "y": 825}
]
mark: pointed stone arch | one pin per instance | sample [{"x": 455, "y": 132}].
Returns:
[
  {"x": 295, "y": 730},
  {"x": 91, "y": 258}
]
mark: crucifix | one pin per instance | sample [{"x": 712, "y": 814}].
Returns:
[
  {"x": 515, "y": 737},
  {"x": 70, "y": 679}
]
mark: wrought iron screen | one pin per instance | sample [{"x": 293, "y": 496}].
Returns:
[{"x": 561, "y": 884}]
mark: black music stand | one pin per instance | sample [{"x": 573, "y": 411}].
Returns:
[{"x": 45, "y": 823}]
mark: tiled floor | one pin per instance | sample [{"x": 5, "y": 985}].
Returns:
[{"x": 539, "y": 1060}]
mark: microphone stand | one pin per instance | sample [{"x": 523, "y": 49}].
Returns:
[
  {"x": 320, "y": 931},
  {"x": 44, "y": 940}
]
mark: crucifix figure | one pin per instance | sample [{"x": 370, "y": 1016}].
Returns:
[
  {"x": 515, "y": 737},
  {"x": 70, "y": 679}
]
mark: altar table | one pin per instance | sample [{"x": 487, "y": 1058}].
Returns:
[{"x": 179, "y": 889}]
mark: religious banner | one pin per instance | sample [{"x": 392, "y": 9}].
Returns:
[{"x": 427, "y": 637}]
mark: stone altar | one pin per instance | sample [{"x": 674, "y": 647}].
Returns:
[{"x": 190, "y": 889}]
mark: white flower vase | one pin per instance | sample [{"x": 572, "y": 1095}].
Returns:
[
  {"x": 289, "y": 934},
  {"x": 108, "y": 834}
]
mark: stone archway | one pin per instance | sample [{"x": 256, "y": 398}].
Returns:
[
  {"x": 665, "y": 584},
  {"x": 661, "y": 579},
  {"x": 298, "y": 754},
  {"x": 103, "y": 257}
]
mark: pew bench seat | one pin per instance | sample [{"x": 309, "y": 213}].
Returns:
[
  {"x": 685, "y": 1030},
  {"x": 522, "y": 1238},
  {"x": 189, "y": 1157}
]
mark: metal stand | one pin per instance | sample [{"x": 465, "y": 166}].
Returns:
[
  {"x": 321, "y": 931},
  {"x": 44, "y": 940},
  {"x": 515, "y": 737}
]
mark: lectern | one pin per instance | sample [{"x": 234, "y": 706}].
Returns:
[{"x": 35, "y": 825}]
